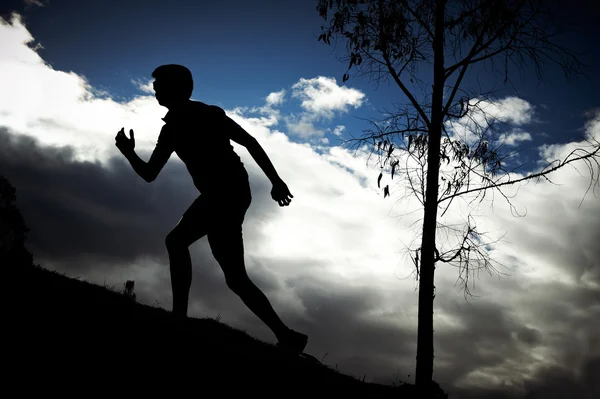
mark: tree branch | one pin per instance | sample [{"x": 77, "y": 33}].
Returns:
[
  {"x": 404, "y": 89},
  {"x": 532, "y": 176},
  {"x": 419, "y": 20},
  {"x": 469, "y": 58}
]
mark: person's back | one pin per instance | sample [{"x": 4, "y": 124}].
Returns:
[{"x": 198, "y": 134}]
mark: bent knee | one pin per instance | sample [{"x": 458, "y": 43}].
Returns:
[{"x": 173, "y": 241}]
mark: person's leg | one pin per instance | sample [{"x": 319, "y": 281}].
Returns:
[
  {"x": 189, "y": 229},
  {"x": 228, "y": 248}
]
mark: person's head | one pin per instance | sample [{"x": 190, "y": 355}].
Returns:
[{"x": 172, "y": 84}]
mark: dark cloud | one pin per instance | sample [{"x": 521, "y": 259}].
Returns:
[
  {"x": 569, "y": 238},
  {"x": 529, "y": 336},
  {"x": 483, "y": 337},
  {"x": 499, "y": 340},
  {"x": 343, "y": 322},
  {"x": 562, "y": 382},
  {"x": 79, "y": 210}
]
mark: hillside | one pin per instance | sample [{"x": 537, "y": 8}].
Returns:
[{"x": 65, "y": 331}]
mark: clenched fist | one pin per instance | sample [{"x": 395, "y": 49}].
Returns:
[
  {"x": 281, "y": 194},
  {"x": 124, "y": 144}
]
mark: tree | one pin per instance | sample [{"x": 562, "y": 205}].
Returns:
[
  {"x": 13, "y": 230},
  {"x": 396, "y": 39}
]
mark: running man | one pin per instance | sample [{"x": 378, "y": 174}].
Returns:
[{"x": 199, "y": 134}]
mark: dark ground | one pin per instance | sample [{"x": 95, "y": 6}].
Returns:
[{"x": 66, "y": 335}]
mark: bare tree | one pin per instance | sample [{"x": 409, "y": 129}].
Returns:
[{"x": 419, "y": 139}]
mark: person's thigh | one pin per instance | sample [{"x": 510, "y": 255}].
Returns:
[
  {"x": 193, "y": 225},
  {"x": 225, "y": 233}
]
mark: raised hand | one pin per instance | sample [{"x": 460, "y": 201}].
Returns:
[
  {"x": 124, "y": 144},
  {"x": 281, "y": 193}
]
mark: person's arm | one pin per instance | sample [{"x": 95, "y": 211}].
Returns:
[
  {"x": 146, "y": 170},
  {"x": 280, "y": 192},
  {"x": 240, "y": 136}
]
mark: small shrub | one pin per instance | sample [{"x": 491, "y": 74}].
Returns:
[{"x": 128, "y": 291}]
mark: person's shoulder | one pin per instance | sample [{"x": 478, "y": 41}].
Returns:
[
  {"x": 210, "y": 109},
  {"x": 165, "y": 137}
]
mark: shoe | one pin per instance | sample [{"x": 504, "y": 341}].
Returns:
[{"x": 293, "y": 341}]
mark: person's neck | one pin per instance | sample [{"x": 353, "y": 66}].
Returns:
[{"x": 177, "y": 105}]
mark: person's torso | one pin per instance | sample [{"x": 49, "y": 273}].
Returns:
[{"x": 200, "y": 140}]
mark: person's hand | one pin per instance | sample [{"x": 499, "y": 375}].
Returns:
[
  {"x": 281, "y": 194},
  {"x": 124, "y": 144}
]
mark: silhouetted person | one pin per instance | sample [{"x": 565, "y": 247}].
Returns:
[{"x": 199, "y": 134}]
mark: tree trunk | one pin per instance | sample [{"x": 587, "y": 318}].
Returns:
[{"x": 424, "y": 369}]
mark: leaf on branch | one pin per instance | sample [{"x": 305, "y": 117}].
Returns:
[
  {"x": 379, "y": 179},
  {"x": 386, "y": 191},
  {"x": 345, "y": 77},
  {"x": 394, "y": 164},
  {"x": 352, "y": 60}
]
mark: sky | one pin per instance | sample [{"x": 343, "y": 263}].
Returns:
[{"x": 334, "y": 263}]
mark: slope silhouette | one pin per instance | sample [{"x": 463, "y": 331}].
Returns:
[{"x": 62, "y": 329}]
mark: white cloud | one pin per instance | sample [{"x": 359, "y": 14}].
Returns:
[
  {"x": 338, "y": 130},
  {"x": 513, "y": 110},
  {"x": 144, "y": 86},
  {"x": 321, "y": 96},
  {"x": 276, "y": 98},
  {"x": 302, "y": 126},
  {"x": 510, "y": 110},
  {"x": 593, "y": 126},
  {"x": 514, "y": 138},
  {"x": 269, "y": 118},
  {"x": 60, "y": 108}
]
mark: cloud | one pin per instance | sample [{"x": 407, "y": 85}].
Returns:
[
  {"x": 144, "y": 86},
  {"x": 276, "y": 98},
  {"x": 512, "y": 111},
  {"x": 75, "y": 207},
  {"x": 338, "y": 130},
  {"x": 333, "y": 263},
  {"x": 61, "y": 108},
  {"x": 302, "y": 126},
  {"x": 38, "y": 3},
  {"x": 514, "y": 138},
  {"x": 322, "y": 97},
  {"x": 268, "y": 116},
  {"x": 321, "y": 100}
]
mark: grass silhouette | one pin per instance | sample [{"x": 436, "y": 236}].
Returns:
[{"x": 64, "y": 331}]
